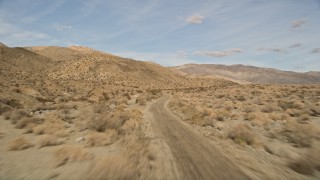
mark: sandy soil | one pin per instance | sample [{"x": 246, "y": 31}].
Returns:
[{"x": 194, "y": 156}]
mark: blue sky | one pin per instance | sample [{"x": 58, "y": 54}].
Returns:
[{"x": 283, "y": 34}]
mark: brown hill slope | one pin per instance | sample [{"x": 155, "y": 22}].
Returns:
[
  {"x": 2, "y": 45},
  {"x": 52, "y": 72},
  {"x": 251, "y": 74},
  {"x": 20, "y": 65},
  {"x": 56, "y": 53}
]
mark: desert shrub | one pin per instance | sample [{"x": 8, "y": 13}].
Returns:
[
  {"x": 11, "y": 102},
  {"x": 294, "y": 112},
  {"x": 101, "y": 108},
  {"x": 275, "y": 116},
  {"x": 4, "y": 109},
  {"x": 286, "y": 104},
  {"x": 155, "y": 91},
  {"x": 132, "y": 162},
  {"x": 250, "y": 116},
  {"x": 97, "y": 122},
  {"x": 115, "y": 166},
  {"x": 242, "y": 134},
  {"x": 101, "y": 122},
  {"x": 309, "y": 162},
  {"x": 127, "y": 95},
  {"x": 49, "y": 140},
  {"x": 62, "y": 133},
  {"x": 100, "y": 139},
  {"x": 223, "y": 114},
  {"x": 248, "y": 108},
  {"x": 241, "y": 98},
  {"x": 269, "y": 108},
  {"x": 301, "y": 135},
  {"x": 314, "y": 110},
  {"x": 118, "y": 119},
  {"x": 16, "y": 115},
  {"x": 141, "y": 100},
  {"x": 48, "y": 128},
  {"x": 19, "y": 144},
  {"x": 303, "y": 118},
  {"x": 28, "y": 121},
  {"x": 68, "y": 154}
]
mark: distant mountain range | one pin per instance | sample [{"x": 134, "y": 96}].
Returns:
[
  {"x": 75, "y": 64},
  {"x": 250, "y": 74}
]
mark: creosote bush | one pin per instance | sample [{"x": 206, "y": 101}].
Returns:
[{"x": 242, "y": 134}]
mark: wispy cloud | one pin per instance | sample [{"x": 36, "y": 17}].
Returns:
[
  {"x": 182, "y": 54},
  {"x": 315, "y": 50},
  {"x": 195, "y": 19},
  {"x": 298, "y": 23},
  {"x": 168, "y": 59},
  {"x": 50, "y": 8},
  {"x": 295, "y": 45},
  {"x": 223, "y": 53},
  {"x": 278, "y": 50},
  {"x": 61, "y": 27},
  {"x": 90, "y": 6},
  {"x": 14, "y": 33}
]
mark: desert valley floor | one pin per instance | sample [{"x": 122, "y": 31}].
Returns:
[{"x": 77, "y": 113}]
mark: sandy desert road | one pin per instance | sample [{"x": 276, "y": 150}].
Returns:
[{"x": 194, "y": 157}]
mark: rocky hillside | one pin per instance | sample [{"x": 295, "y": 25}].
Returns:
[
  {"x": 251, "y": 74},
  {"x": 82, "y": 73}
]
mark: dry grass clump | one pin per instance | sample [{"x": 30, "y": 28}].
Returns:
[
  {"x": 248, "y": 108},
  {"x": 241, "y": 134},
  {"x": 28, "y": 122},
  {"x": 309, "y": 162},
  {"x": 16, "y": 115},
  {"x": 269, "y": 108},
  {"x": 250, "y": 116},
  {"x": 19, "y": 144},
  {"x": 223, "y": 114},
  {"x": 100, "y": 139},
  {"x": 115, "y": 166},
  {"x": 48, "y": 140},
  {"x": 68, "y": 154},
  {"x": 141, "y": 100},
  {"x": 304, "y": 118},
  {"x": 62, "y": 133},
  {"x": 97, "y": 122},
  {"x": 132, "y": 162},
  {"x": 38, "y": 130},
  {"x": 111, "y": 120},
  {"x": 314, "y": 109},
  {"x": 48, "y": 128},
  {"x": 301, "y": 135},
  {"x": 286, "y": 104}
]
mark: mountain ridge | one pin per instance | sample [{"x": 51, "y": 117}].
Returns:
[{"x": 250, "y": 74}]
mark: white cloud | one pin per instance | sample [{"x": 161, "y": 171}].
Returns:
[
  {"x": 223, "y": 53},
  {"x": 278, "y": 50},
  {"x": 315, "y": 50},
  {"x": 298, "y": 23},
  {"x": 195, "y": 19}
]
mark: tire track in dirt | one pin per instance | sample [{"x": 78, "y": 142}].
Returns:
[{"x": 194, "y": 156}]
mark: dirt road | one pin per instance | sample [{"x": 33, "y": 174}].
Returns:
[{"x": 194, "y": 156}]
